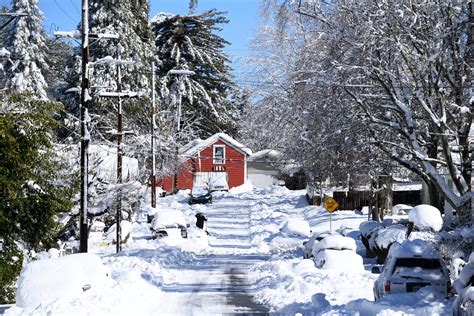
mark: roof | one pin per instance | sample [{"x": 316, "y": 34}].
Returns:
[
  {"x": 268, "y": 154},
  {"x": 197, "y": 145}
]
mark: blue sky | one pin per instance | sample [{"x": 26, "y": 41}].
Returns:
[{"x": 243, "y": 14}]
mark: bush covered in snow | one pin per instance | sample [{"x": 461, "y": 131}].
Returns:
[
  {"x": 44, "y": 281},
  {"x": 426, "y": 217}
]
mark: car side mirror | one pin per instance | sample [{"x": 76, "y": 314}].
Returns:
[
  {"x": 376, "y": 270},
  {"x": 188, "y": 225}
]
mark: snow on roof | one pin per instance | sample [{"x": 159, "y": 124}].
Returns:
[
  {"x": 266, "y": 153},
  {"x": 426, "y": 217},
  {"x": 414, "y": 248},
  {"x": 407, "y": 186},
  {"x": 197, "y": 145}
]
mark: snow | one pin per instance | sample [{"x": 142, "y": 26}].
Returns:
[
  {"x": 335, "y": 242},
  {"x": 296, "y": 227},
  {"x": 168, "y": 218},
  {"x": 198, "y": 275},
  {"x": 111, "y": 233},
  {"x": 244, "y": 188},
  {"x": 44, "y": 281},
  {"x": 426, "y": 217},
  {"x": 386, "y": 236},
  {"x": 270, "y": 154},
  {"x": 414, "y": 248}
]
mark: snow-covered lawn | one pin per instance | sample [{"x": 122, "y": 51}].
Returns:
[{"x": 251, "y": 261}]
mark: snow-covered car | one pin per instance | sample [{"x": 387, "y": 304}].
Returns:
[
  {"x": 218, "y": 183},
  {"x": 295, "y": 227},
  {"x": 464, "y": 286},
  {"x": 200, "y": 195},
  {"x": 169, "y": 223},
  {"x": 337, "y": 252},
  {"x": 316, "y": 237},
  {"x": 410, "y": 266}
]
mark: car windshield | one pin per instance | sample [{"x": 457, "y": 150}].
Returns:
[{"x": 423, "y": 263}]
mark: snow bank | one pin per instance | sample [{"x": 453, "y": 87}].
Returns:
[
  {"x": 345, "y": 260},
  {"x": 426, "y": 301},
  {"x": 426, "y": 217},
  {"x": 296, "y": 227},
  {"x": 44, "y": 281},
  {"x": 168, "y": 218},
  {"x": 244, "y": 188}
]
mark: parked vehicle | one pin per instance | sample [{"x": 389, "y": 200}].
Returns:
[
  {"x": 169, "y": 223},
  {"x": 219, "y": 183},
  {"x": 411, "y": 266},
  {"x": 308, "y": 245},
  {"x": 464, "y": 285},
  {"x": 200, "y": 195},
  {"x": 337, "y": 252}
]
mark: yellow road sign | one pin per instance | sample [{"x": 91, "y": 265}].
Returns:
[{"x": 330, "y": 204}]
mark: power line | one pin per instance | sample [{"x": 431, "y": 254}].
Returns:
[{"x": 64, "y": 11}]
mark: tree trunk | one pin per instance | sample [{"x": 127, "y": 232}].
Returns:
[{"x": 385, "y": 194}]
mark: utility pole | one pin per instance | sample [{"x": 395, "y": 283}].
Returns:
[
  {"x": 118, "y": 62},
  {"x": 85, "y": 120},
  {"x": 119, "y": 151},
  {"x": 153, "y": 159}
]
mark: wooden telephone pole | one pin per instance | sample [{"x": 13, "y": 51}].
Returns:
[{"x": 85, "y": 120}]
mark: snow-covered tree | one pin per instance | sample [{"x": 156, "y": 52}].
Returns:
[
  {"x": 34, "y": 186},
  {"x": 191, "y": 43},
  {"x": 26, "y": 40},
  {"x": 406, "y": 66}
]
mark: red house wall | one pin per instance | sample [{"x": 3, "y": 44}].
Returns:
[
  {"x": 234, "y": 166},
  {"x": 234, "y": 163}
]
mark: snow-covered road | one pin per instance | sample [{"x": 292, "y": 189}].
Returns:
[{"x": 218, "y": 283}]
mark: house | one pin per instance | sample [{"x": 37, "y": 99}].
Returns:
[
  {"x": 217, "y": 157},
  {"x": 262, "y": 168}
]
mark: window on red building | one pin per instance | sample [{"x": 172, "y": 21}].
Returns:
[{"x": 219, "y": 154}]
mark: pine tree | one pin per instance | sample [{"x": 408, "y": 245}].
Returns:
[
  {"x": 191, "y": 43},
  {"x": 34, "y": 188},
  {"x": 27, "y": 42}
]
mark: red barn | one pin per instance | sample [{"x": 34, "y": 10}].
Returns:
[{"x": 219, "y": 156}]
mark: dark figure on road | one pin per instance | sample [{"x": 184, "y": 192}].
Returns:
[{"x": 201, "y": 222}]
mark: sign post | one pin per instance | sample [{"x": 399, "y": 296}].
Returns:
[{"x": 330, "y": 205}]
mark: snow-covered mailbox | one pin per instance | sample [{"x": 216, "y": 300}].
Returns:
[{"x": 217, "y": 159}]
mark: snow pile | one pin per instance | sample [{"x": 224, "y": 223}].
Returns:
[
  {"x": 168, "y": 218},
  {"x": 344, "y": 260},
  {"x": 426, "y": 217},
  {"x": 45, "y": 281},
  {"x": 296, "y": 286},
  {"x": 126, "y": 228},
  {"x": 426, "y": 301},
  {"x": 244, "y": 188},
  {"x": 385, "y": 236},
  {"x": 296, "y": 227}
]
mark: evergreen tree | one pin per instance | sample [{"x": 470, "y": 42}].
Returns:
[
  {"x": 33, "y": 185},
  {"x": 128, "y": 19},
  {"x": 27, "y": 42},
  {"x": 191, "y": 43}
]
